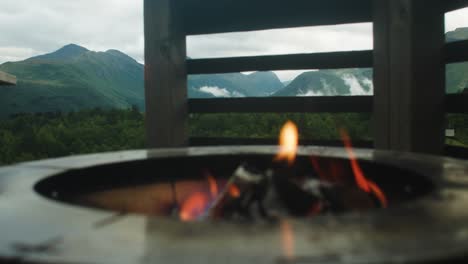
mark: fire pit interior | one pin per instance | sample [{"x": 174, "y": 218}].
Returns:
[{"x": 225, "y": 187}]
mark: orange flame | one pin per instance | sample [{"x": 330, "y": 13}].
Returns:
[
  {"x": 362, "y": 182},
  {"x": 288, "y": 141},
  {"x": 287, "y": 240},
  {"x": 197, "y": 203},
  {"x": 194, "y": 206},
  {"x": 213, "y": 185},
  {"x": 234, "y": 191}
]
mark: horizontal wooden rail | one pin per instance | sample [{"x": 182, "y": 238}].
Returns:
[
  {"x": 211, "y": 141},
  {"x": 456, "y": 51},
  {"x": 451, "y": 5},
  {"x": 318, "y": 104},
  {"x": 221, "y": 16},
  {"x": 328, "y": 60},
  {"x": 456, "y": 103},
  {"x": 456, "y": 152}
]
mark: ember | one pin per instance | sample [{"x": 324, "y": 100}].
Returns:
[
  {"x": 285, "y": 190},
  {"x": 247, "y": 185},
  {"x": 196, "y": 205}
]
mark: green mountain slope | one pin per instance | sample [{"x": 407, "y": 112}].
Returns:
[
  {"x": 357, "y": 81},
  {"x": 329, "y": 83},
  {"x": 233, "y": 85},
  {"x": 457, "y": 34},
  {"x": 457, "y": 73},
  {"x": 74, "y": 78}
]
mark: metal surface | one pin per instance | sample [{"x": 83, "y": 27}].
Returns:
[{"x": 37, "y": 229}]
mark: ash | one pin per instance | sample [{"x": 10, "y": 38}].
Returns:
[{"x": 252, "y": 194}]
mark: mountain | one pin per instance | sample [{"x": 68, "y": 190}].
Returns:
[
  {"x": 329, "y": 83},
  {"x": 233, "y": 85},
  {"x": 265, "y": 83},
  {"x": 74, "y": 78},
  {"x": 358, "y": 81},
  {"x": 457, "y": 73},
  {"x": 67, "y": 52},
  {"x": 457, "y": 34}
]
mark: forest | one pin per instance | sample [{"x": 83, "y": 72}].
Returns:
[{"x": 31, "y": 136}]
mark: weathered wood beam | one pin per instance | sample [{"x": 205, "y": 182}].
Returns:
[
  {"x": 319, "y": 104},
  {"x": 456, "y": 51},
  {"x": 7, "y": 79},
  {"x": 409, "y": 75},
  {"x": 451, "y": 5},
  {"x": 329, "y": 60},
  {"x": 220, "y": 16},
  {"x": 456, "y": 103},
  {"x": 165, "y": 75}
]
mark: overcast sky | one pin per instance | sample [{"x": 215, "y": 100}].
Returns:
[{"x": 32, "y": 27}]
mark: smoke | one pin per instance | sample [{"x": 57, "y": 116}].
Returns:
[
  {"x": 310, "y": 93},
  {"x": 220, "y": 92},
  {"x": 370, "y": 85},
  {"x": 325, "y": 90},
  {"x": 355, "y": 86}
]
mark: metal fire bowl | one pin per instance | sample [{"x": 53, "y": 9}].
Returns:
[{"x": 35, "y": 229}]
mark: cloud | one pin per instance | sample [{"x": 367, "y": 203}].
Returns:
[
  {"x": 219, "y": 92},
  {"x": 311, "y": 93},
  {"x": 282, "y": 41},
  {"x": 362, "y": 86},
  {"x": 355, "y": 86},
  {"x": 456, "y": 19},
  {"x": 38, "y": 27},
  {"x": 33, "y": 27},
  {"x": 16, "y": 53}
]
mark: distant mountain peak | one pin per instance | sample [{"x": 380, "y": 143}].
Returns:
[
  {"x": 116, "y": 52},
  {"x": 461, "y": 29},
  {"x": 460, "y": 33},
  {"x": 70, "y": 50},
  {"x": 73, "y": 47},
  {"x": 120, "y": 54},
  {"x": 66, "y": 52}
]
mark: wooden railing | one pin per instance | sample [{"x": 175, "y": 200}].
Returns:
[
  {"x": 451, "y": 5},
  {"x": 401, "y": 72},
  {"x": 455, "y": 103},
  {"x": 329, "y": 60},
  {"x": 456, "y": 51}
]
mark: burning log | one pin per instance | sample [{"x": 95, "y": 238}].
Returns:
[
  {"x": 285, "y": 189},
  {"x": 274, "y": 194}
]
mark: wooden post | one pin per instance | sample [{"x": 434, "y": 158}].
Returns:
[
  {"x": 409, "y": 75},
  {"x": 165, "y": 75}
]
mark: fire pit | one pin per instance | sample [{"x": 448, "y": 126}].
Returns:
[
  {"x": 126, "y": 207},
  {"x": 245, "y": 188}
]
